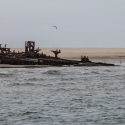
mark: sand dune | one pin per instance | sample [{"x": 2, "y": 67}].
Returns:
[{"x": 92, "y": 53}]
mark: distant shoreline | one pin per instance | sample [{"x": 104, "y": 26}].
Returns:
[{"x": 92, "y": 53}]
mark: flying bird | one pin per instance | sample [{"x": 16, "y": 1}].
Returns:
[{"x": 55, "y": 27}]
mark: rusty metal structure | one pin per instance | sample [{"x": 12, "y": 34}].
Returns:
[
  {"x": 32, "y": 56},
  {"x": 30, "y": 50},
  {"x": 85, "y": 59},
  {"x": 4, "y": 50},
  {"x": 56, "y": 52}
]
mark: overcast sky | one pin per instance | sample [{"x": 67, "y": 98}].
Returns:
[{"x": 80, "y": 23}]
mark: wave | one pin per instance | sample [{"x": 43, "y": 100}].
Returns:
[
  {"x": 66, "y": 83},
  {"x": 107, "y": 70},
  {"x": 86, "y": 73},
  {"x": 6, "y": 75},
  {"x": 30, "y": 84},
  {"x": 67, "y": 79},
  {"x": 95, "y": 72},
  {"x": 22, "y": 84},
  {"x": 35, "y": 79},
  {"x": 52, "y": 72},
  {"x": 29, "y": 112}
]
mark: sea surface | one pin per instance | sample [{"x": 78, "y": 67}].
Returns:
[{"x": 62, "y": 96}]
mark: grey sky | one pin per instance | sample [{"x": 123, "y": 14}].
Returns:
[{"x": 81, "y": 23}]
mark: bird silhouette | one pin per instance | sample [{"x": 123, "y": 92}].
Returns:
[{"x": 55, "y": 27}]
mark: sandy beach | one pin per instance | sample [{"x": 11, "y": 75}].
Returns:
[{"x": 92, "y": 53}]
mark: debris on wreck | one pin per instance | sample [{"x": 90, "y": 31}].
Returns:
[{"x": 32, "y": 56}]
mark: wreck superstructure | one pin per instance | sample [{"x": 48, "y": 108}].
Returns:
[{"x": 32, "y": 56}]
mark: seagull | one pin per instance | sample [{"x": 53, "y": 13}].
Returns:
[{"x": 55, "y": 27}]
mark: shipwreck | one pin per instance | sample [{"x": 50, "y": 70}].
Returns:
[{"x": 32, "y": 56}]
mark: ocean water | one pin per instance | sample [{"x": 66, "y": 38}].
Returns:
[{"x": 62, "y": 96}]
